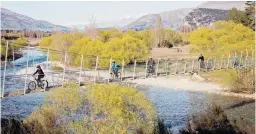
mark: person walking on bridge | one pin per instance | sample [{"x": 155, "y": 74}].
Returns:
[
  {"x": 151, "y": 65},
  {"x": 201, "y": 60},
  {"x": 115, "y": 68},
  {"x": 235, "y": 61}
]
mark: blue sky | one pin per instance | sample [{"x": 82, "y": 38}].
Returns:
[{"x": 73, "y": 13}]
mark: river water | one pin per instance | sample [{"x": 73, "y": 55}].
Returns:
[{"x": 173, "y": 106}]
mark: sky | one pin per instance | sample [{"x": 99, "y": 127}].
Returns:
[{"x": 69, "y": 13}]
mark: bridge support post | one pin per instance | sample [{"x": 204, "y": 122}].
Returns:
[
  {"x": 241, "y": 59},
  {"x": 221, "y": 62},
  {"x": 13, "y": 65},
  {"x": 166, "y": 67},
  {"x": 214, "y": 64},
  {"x": 122, "y": 73},
  {"x": 207, "y": 65},
  {"x": 5, "y": 64},
  {"x": 192, "y": 67},
  {"x": 110, "y": 61},
  {"x": 134, "y": 69},
  {"x": 246, "y": 59},
  {"x": 47, "y": 63},
  {"x": 95, "y": 71},
  {"x": 26, "y": 73},
  {"x": 228, "y": 61},
  {"x": 176, "y": 67},
  {"x": 146, "y": 69},
  {"x": 64, "y": 70},
  {"x": 81, "y": 67},
  {"x": 185, "y": 67},
  {"x": 157, "y": 67}
]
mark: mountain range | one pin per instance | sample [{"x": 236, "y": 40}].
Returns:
[
  {"x": 14, "y": 21},
  {"x": 204, "y": 14}
]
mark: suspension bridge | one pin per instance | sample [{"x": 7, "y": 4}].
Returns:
[{"x": 60, "y": 67}]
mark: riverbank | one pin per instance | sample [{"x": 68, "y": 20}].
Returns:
[{"x": 185, "y": 82}]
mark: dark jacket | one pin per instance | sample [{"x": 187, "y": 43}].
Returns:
[
  {"x": 201, "y": 58},
  {"x": 151, "y": 62},
  {"x": 40, "y": 72}
]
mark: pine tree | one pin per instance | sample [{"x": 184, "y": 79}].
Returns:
[{"x": 250, "y": 13}]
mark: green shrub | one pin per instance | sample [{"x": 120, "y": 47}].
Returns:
[
  {"x": 56, "y": 68},
  {"x": 96, "y": 109}
]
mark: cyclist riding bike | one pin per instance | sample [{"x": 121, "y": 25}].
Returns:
[
  {"x": 235, "y": 61},
  {"x": 151, "y": 65},
  {"x": 201, "y": 60},
  {"x": 40, "y": 74},
  {"x": 114, "y": 68}
]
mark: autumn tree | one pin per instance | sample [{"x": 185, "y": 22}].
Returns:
[
  {"x": 250, "y": 13},
  {"x": 91, "y": 29},
  {"x": 237, "y": 16},
  {"x": 157, "y": 31}
]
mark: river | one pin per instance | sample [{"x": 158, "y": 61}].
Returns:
[{"x": 173, "y": 106}]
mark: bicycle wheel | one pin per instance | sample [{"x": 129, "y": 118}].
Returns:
[
  {"x": 32, "y": 85},
  {"x": 44, "y": 84},
  {"x": 119, "y": 75}
]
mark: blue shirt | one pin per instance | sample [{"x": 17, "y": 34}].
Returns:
[
  {"x": 235, "y": 58},
  {"x": 114, "y": 66}
]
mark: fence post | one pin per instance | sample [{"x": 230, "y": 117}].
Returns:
[
  {"x": 47, "y": 68},
  {"x": 146, "y": 69},
  {"x": 5, "y": 64},
  {"x": 214, "y": 64},
  {"x": 185, "y": 66},
  {"x": 176, "y": 67},
  {"x": 96, "y": 66},
  {"x": 228, "y": 61},
  {"x": 26, "y": 72},
  {"x": 110, "y": 61},
  {"x": 80, "y": 72},
  {"x": 134, "y": 69},
  {"x": 246, "y": 59},
  {"x": 252, "y": 61},
  {"x": 193, "y": 62},
  {"x": 221, "y": 62},
  {"x": 207, "y": 64},
  {"x": 157, "y": 67},
  {"x": 241, "y": 63},
  {"x": 166, "y": 67},
  {"x": 13, "y": 66},
  {"x": 122, "y": 70},
  {"x": 64, "y": 70}
]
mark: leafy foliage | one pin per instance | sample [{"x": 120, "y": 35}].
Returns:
[
  {"x": 237, "y": 16},
  {"x": 250, "y": 13},
  {"x": 98, "y": 109},
  {"x": 222, "y": 38}
]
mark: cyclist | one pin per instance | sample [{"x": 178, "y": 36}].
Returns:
[
  {"x": 235, "y": 61},
  {"x": 40, "y": 73},
  {"x": 151, "y": 65},
  {"x": 201, "y": 60},
  {"x": 115, "y": 68}
]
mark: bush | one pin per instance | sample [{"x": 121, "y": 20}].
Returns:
[
  {"x": 96, "y": 109},
  {"x": 215, "y": 121},
  {"x": 237, "y": 80},
  {"x": 57, "y": 68}
]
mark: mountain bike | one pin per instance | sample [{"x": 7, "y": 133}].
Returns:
[
  {"x": 115, "y": 75},
  {"x": 35, "y": 83}
]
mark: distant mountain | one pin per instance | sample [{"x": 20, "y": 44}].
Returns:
[
  {"x": 204, "y": 14},
  {"x": 15, "y": 21},
  {"x": 170, "y": 19},
  {"x": 223, "y": 5}
]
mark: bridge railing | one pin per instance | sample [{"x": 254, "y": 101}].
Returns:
[{"x": 60, "y": 67}]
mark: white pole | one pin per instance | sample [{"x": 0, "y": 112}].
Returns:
[
  {"x": 13, "y": 65},
  {"x": 185, "y": 66},
  {"x": 157, "y": 67},
  {"x": 26, "y": 72},
  {"x": 146, "y": 69},
  {"x": 228, "y": 61},
  {"x": 81, "y": 66},
  {"x": 134, "y": 69},
  {"x": 47, "y": 64},
  {"x": 64, "y": 70},
  {"x": 193, "y": 62},
  {"x": 110, "y": 61},
  {"x": 96, "y": 66},
  {"x": 166, "y": 68},
  {"x": 5, "y": 63},
  {"x": 176, "y": 67},
  {"x": 122, "y": 70}
]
